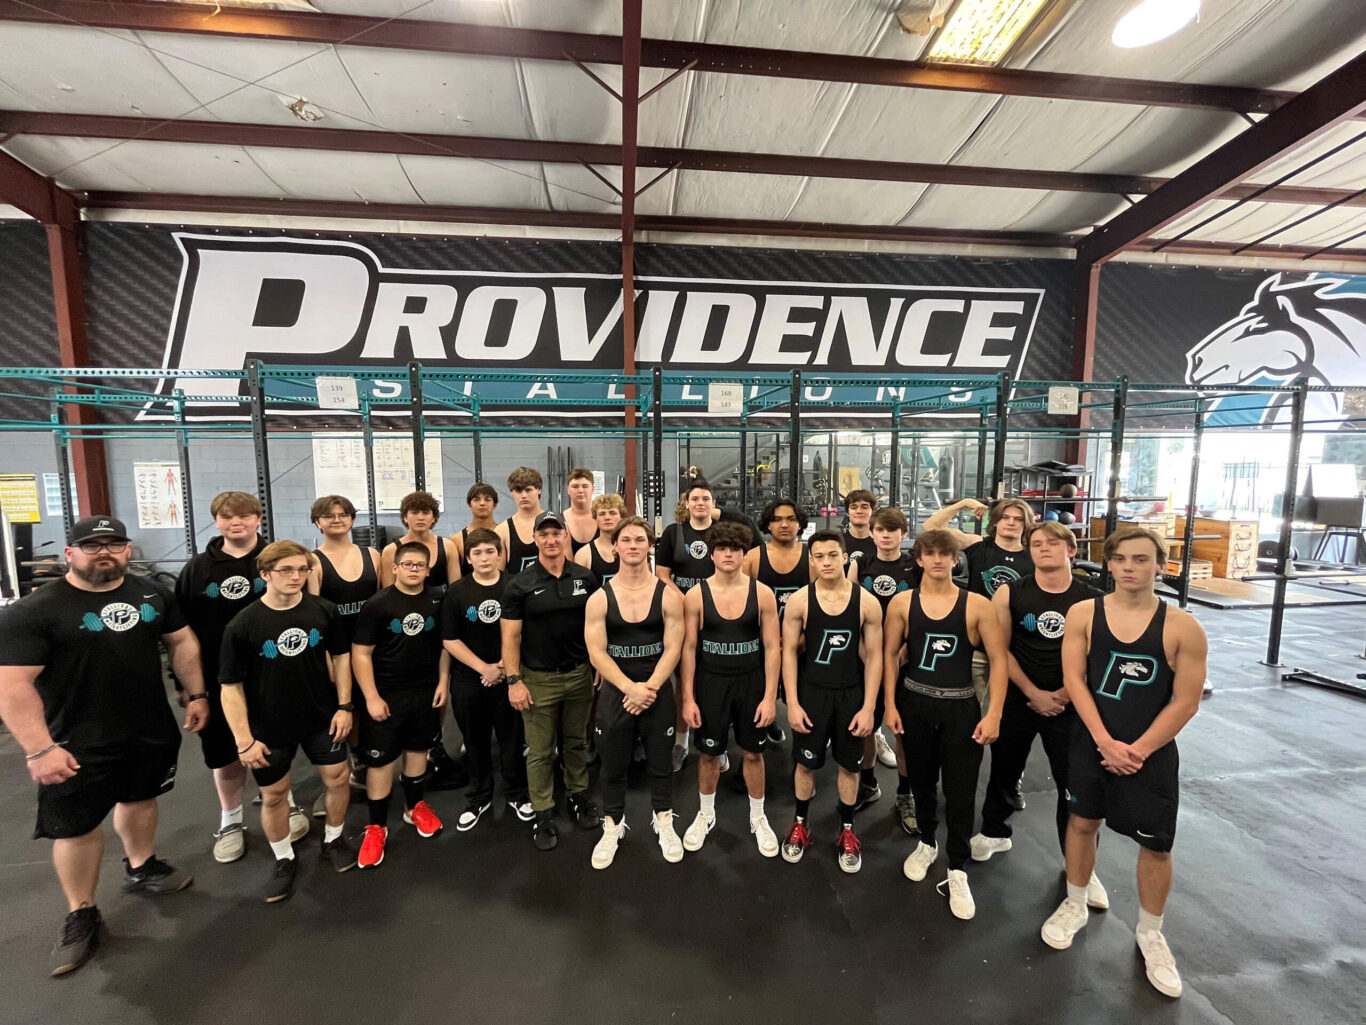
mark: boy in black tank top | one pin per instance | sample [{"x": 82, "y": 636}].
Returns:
[
  {"x": 1032, "y": 615},
  {"x": 579, "y": 520},
  {"x": 732, "y": 654},
  {"x": 518, "y": 531},
  {"x": 1133, "y": 697},
  {"x": 599, "y": 555},
  {"x": 634, "y": 631},
  {"x": 859, "y": 544},
  {"x": 832, "y": 665},
  {"x": 472, "y": 631},
  {"x": 783, "y": 563},
  {"x": 931, "y": 701},
  {"x": 482, "y": 500}
]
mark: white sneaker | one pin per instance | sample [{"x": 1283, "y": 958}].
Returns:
[
  {"x": 983, "y": 847},
  {"x": 298, "y": 824},
  {"x": 1062, "y": 925},
  {"x": 230, "y": 843},
  {"x": 606, "y": 848},
  {"x": 1160, "y": 965},
  {"x": 763, "y": 836},
  {"x": 1096, "y": 895},
  {"x": 725, "y": 761},
  {"x": 960, "y": 896},
  {"x": 320, "y": 806},
  {"x": 669, "y": 842},
  {"x": 696, "y": 835},
  {"x": 885, "y": 753},
  {"x": 918, "y": 863}
]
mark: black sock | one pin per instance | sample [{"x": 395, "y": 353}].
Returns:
[
  {"x": 413, "y": 789},
  {"x": 867, "y": 778},
  {"x": 903, "y": 784},
  {"x": 803, "y": 807},
  {"x": 846, "y": 815},
  {"x": 379, "y": 810}
]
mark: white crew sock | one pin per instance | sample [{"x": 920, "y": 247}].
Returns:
[
  {"x": 682, "y": 739},
  {"x": 1148, "y": 922},
  {"x": 708, "y": 802},
  {"x": 289, "y": 798},
  {"x": 230, "y": 817},
  {"x": 1077, "y": 893},
  {"x": 282, "y": 849},
  {"x": 331, "y": 833},
  {"x": 756, "y": 808}
]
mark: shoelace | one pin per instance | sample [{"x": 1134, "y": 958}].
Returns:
[
  {"x": 798, "y": 834},
  {"x": 1157, "y": 953},
  {"x": 848, "y": 843},
  {"x": 152, "y": 866},
  {"x": 74, "y": 927}
]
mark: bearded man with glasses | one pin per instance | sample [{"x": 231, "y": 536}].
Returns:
[{"x": 81, "y": 689}]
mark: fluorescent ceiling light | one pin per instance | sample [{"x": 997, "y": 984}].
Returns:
[
  {"x": 260, "y": 5},
  {"x": 983, "y": 31},
  {"x": 1151, "y": 20}
]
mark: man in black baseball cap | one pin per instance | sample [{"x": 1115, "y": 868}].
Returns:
[
  {"x": 548, "y": 675},
  {"x": 81, "y": 690}
]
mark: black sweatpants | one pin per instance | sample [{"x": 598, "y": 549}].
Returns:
[
  {"x": 937, "y": 738},
  {"x": 1019, "y": 726},
  {"x": 617, "y": 730},
  {"x": 482, "y": 713}
]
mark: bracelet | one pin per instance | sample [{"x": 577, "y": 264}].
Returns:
[
  {"x": 244, "y": 750},
  {"x": 202, "y": 696},
  {"x": 38, "y": 754}
]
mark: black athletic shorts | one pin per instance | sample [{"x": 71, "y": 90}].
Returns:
[
  {"x": 830, "y": 711},
  {"x": 729, "y": 703},
  {"x": 411, "y": 725},
  {"x": 319, "y": 748},
  {"x": 139, "y": 771},
  {"x": 1142, "y": 806},
  {"x": 220, "y": 747}
]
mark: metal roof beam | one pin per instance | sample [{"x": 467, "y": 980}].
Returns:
[
  {"x": 1339, "y": 97},
  {"x": 485, "y": 40},
  {"x": 39, "y": 197}
]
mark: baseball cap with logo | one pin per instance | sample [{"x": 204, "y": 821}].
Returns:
[
  {"x": 548, "y": 519},
  {"x": 98, "y": 528}
]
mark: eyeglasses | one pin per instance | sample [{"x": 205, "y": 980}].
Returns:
[
  {"x": 290, "y": 571},
  {"x": 335, "y": 516},
  {"x": 94, "y": 547},
  {"x": 414, "y": 566}
]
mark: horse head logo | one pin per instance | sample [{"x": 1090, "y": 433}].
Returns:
[{"x": 1311, "y": 328}]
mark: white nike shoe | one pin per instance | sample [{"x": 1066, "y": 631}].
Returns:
[
  {"x": 1064, "y": 924},
  {"x": 606, "y": 848},
  {"x": 1096, "y": 895},
  {"x": 919, "y": 861},
  {"x": 669, "y": 842},
  {"x": 696, "y": 834},
  {"x": 983, "y": 847},
  {"x": 1160, "y": 965},
  {"x": 764, "y": 837},
  {"x": 960, "y": 896},
  {"x": 885, "y": 753}
]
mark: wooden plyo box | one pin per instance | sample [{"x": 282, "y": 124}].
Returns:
[
  {"x": 1233, "y": 554},
  {"x": 1160, "y": 522}
]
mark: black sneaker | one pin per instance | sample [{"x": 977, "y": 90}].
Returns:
[
  {"x": 79, "y": 937},
  {"x": 585, "y": 812},
  {"x": 446, "y": 773},
  {"x": 280, "y": 885},
  {"x": 776, "y": 734},
  {"x": 154, "y": 877},
  {"x": 1016, "y": 800},
  {"x": 474, "y": 811},
  {"x": 866, "y": 795},
  {"x": 521, "y": 807},
  {"x": 340, "y": 854},
  {"x": 543, "y": 832}
]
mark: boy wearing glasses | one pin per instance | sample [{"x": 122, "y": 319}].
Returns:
[
  {"x": 212, "y": 589},
  {"x": 285, "y": 669},
  {"x": 81, "y": 690}
]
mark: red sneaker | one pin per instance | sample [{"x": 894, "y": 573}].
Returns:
[
  {"x": 796, "y": 842},
  {"x": 372, "y": 847},
  {"x": 426, "y": 820},
  {"x": 849, "y": 851}
]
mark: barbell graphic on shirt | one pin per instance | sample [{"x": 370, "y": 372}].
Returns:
[
  {"x": 291, "y": 642},
  {"x": 411, "y": 624},
  {"x": 118, "y": 616}
]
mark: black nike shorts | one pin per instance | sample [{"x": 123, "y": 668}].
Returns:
[
  {"x": 830, "y": 711},
  {"x": 1142, "y": 806},
  {"x": 219, "y": 745},
  {"x": 729, "y": 703},
  {"x": 411, "y": 725},
  {"x": 318, "y": 747},
  {"x": 138, "y": 771}
]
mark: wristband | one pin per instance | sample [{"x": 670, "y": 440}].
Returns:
[
  {"x": 244, "y": 750},
  {"x": 38, "y": 754},
  {"x": 202, "y": 696},
  {"x": 346, "y": 706},
  {"x": 514, "y": 678}
]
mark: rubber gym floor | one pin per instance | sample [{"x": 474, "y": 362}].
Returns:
[{"x": 1267, "y": 917}]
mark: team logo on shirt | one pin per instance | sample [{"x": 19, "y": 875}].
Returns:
[
  {"x": 291, "y": 642},
  {"x": 117, "y": 616},
  {"x": 996, "y": 576},
  {"x": 1047, "y": 624},
  {"x": 1126, "y": 670},
  {"x": 884, "y": 586},
  {"x": 698, "y": 549},
  {"x": 413, "y": 624},
  {"x": 528, "y": 561},
  {"x": 489, "y": 611},
  {"x": 579, "y": 590},
  {"x": 832, "y": 642},
  {"x": 234, "y": 588},
  {"x": 937, "y": 646}
]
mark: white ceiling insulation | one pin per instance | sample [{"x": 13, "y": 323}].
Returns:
[{"x": 1286, "y": 44}]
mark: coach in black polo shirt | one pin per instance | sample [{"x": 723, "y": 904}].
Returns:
[{"x": 549, "y": 678}]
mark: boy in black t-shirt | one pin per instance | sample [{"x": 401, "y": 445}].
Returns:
[
  {"x": 472, "y": 632},
  {"x": 82, "y": 692},
  {"x": 401, "y": 669},
  {"x": 280, "y": 693}
]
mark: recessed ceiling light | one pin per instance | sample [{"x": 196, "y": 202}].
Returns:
[
  {"x": 983, "y": 31},
  {"x": 1152, "y": 20}
]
